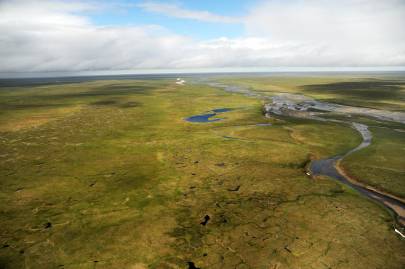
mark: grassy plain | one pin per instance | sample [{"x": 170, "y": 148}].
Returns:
[{"x": 107, "y": 174}]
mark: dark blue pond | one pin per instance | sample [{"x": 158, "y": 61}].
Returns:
[
  {"x": 207, "y": 117},
  {"x": 202, "y": 118}
]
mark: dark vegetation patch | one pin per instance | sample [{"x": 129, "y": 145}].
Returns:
[
  {"x": 22, "y": 106},
  {"x": 116, "y": 103},
  {"x": 108, "y": 90},
  {"x": 130, "y": 104},
  {"x": 205, "y": 221},
  {"x": 191, "y": 265},
  {"x": 104, "y": 103},
  {"x": 235, "y": 188},
  {"x": 370, "y": 89},
  {"x": 19, "y": 82},
  {"x": 108, "y": 96}
]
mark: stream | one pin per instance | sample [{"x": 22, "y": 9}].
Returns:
[
  {"x": 296, "y": 105},
  {"x": 328, "y": 167}
]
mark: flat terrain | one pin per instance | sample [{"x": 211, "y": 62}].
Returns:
[{"x": 108, "y": 174}]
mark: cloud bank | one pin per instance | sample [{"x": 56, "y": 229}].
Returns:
[
  {"x": 344, "y": 32},
  {"x": 43, "y": 36}
]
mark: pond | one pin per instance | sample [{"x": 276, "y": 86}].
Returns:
[{"x": 207, "y": 117}]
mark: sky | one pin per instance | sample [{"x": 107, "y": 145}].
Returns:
[{"x": 51, "y": 36}]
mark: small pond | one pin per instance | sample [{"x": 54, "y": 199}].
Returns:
[{"x": 207, "y": 117}]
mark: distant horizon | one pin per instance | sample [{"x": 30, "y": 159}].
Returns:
[{"x": 56, "y": 74}]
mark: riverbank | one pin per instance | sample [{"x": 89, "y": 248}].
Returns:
[{"x": 400, "y": 211}]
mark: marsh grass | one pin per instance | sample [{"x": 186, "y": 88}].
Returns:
[{"x": 115, "y": 178}]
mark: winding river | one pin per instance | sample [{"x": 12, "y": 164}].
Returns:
[
  {"x": 296, "y": 105},
  {"x": 330, "y": 167}
]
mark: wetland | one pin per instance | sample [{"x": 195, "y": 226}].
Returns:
[{"x": 145, "y": 172}]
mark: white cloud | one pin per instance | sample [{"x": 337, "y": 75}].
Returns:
[
  {"x": 346, "y": 32},
  {"x": 176, "y": 11},
  {"x": 56, "y": 36},
  {"x": 50, "y": 36}
]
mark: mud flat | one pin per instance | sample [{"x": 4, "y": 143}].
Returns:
[{"x": 295, "y": 102}]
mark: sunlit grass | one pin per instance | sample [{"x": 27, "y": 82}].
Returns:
[{"x": 116, "y": 178}]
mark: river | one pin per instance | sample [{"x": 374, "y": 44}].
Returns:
[{"x": 296, "y": 105}]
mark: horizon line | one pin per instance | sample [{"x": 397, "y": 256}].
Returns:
[{"x": 225, "y": 70}]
